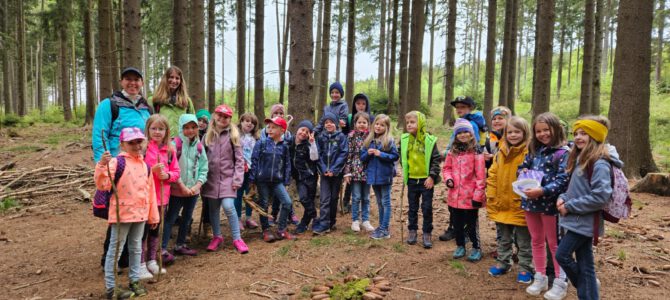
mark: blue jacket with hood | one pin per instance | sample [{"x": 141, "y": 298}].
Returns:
[
  {"x": 333, "y": 149},
  {"x": 270, "y": 162}
]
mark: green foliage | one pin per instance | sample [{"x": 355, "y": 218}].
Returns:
[
  {"x": 621, "y": 255},
  {"x": 351, "y": 290},
  {"x": 285, "y": 249},
  {"x": 10, "y": 120},
  {"x": 23, "y": 149},
  {"x": 320, "y": 241},
  {"x": 8, "y": 203}
]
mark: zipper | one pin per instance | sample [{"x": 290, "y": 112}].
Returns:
[{"x": 272, "y": 166}]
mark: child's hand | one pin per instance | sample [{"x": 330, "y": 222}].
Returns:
[
  {"x": 153, "y": 226},
  {"x": 533, "y": 193},
  {"x": 106, "y": 157},
  {"x": 560, "y": 205},
  {"x": 157, "y": 168},
  {"x": 311, "y": 137},
  {"x": 164, "y": 176},
  {"x": 347, "y": 179},
  {"x": 343, "y": 124},
  {"x": 488, "y": 156},
  {"x": 235, "y": 187},
  {"x": 450, "y": 183},
  {"x": 429, "y": 183},
  {"x": 376, "y": 152},
  {"x": 195, "y": 190}
]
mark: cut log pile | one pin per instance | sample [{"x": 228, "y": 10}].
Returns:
[{"x": 73, "y": 182}]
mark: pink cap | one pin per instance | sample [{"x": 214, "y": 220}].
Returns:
[
  {"x": 279, "y": 121},
  {"x": 225, "y": 110},
  {"x": 130, "y": 134}
]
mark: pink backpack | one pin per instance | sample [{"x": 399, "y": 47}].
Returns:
[{"x": 619, "y": 205}]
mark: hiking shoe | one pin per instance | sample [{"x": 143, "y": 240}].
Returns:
[
  {"x": 411, "y": 237},
  {"x": 475, "y": 255},
  {"x": 558, "y": 290},
  {"x": 295, "y": 220},
  {"x": 524, "y": 277},
  {"x": 496, "y": 271},
  {"x": 356, "y": 226},
  {"x": 268, "y": 236},
  {"x": 240, "y": 246},
  {"x": 332, "y": 228},
  {"x": 251, "y": 224},
  {"x": 214, "y": 244},
  {"x": 367, "y": 226},
  {"x": 152, "y": 266},
  {"x": 319, "y": 230},
  {"x": 427, "y": 240},
  {"x": 121, "y": 293},
  {"x": 185, "y": 250},
  {"x": 300, "y": 229},
  {"x": 285, "y": 235},
  {"x": 381, "y": 234},
  {"x": 539, "y": 285},
  {"x": 448, "y": 235},
  {"x": 144, "y": 272},
  {"x": 271, "y": 221},
  {"x": 168, "y": 258},
  {"x": 138, "y": 289},
  {"x": 459, "y": 252}
]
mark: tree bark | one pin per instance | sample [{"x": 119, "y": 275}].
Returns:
[
  {"x": 87, "y": 7},
  {"x": 325, "y": 56},
  {"x": 490, "y": 59},
  {"x": 392, "y": 63},
  {"x": 570, "y": 61},
  {"x": 339, "y": 41},
  {"x": 402, "y": 69},
  {"x": 597, "y": 57},
  {"x": 505, "y": 61},
  {"x": 73, "y": 76},
  {"x": 659, "y": 52},
  {"x": 545, "y": 40},
  {"x": 382, "y": 44},
  {"x": 196, "y": 84},
  {"x": 585, "y": 98},
  {"x": 608, "y": 29},
  {"x": 351, "y": 52},
  {"x": 180, "y": 38},
  {"x": 132, "y": 34},
  {"x": 511, "y": 76},
  {"x": 300, "y": 69},
  {"x": 564, "y": 20},
  {"x": 39, "y": 68},
  {"x": 415, "y": 53},
  {"x": 21, "y": 54},
  {"x": 284, "y": 53},
  {"x": 106, "y": 53},
  {"x": 432, "y": 45},
  {"x": 211, "y": 55},
  {"x": 632, "y": 65},
  {"x": 241, "y": 52},
  {"x": 259, "y": 100},
  {"x": 317, "y": 52},
  {"x": 65, "y": 8},
  {"x": 447, "y": 118},
  {"x": 6, "y": 61}
]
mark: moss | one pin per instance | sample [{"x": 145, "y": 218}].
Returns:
[{"x": 351, "y": 290}]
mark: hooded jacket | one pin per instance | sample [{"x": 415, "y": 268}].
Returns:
[
  {"x": 340, "y": 109},
  {"x": 428, "y": 142},
  {"x": 154, "y": 152},
  {"x": 332, "y": 151},
  {"x": 502, "y": 204},
  {"x": 584, "y": 199},
  {"x": 350, "y": 118},
  {"x": 193, "y": 163},
  {"x": 304, "y": 155},
  {"x": 172, "y": 113},
  {"x": 468, "y": 172},
  {"x": 380, "y": 169},
  {"x": 270, "y": 162},
  {"x": 478, "y": 124},
  {"x": 554, "y": 182},
  {"x": 226, "y": 168}
]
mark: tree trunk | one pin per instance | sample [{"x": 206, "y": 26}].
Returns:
[
  {"x": 339, "y": 41},
  {"x": 21, "y": 54},
  {"x": 87, "y": 7},
  {"x": 597, "y": 57},
  {"x": 6, "y": 61},
  {"x": 121, "y": 40},
  {"x": 392, "y": 63},
  {"x": 39, "y": 69},
  {"x": 587, "y": 65},
  {"x": 223, "y": 54},
  {"x": 402, "y": 69},
  {"x": 211, "y": 54},
  {"x": 325, "y": 56},
  {"x": 511, "y": 76},
  {"x": 248, "y": 65},
  {"x": 387, "y": 55},
  {"x": 447, "y": 117},
  {"x": 632, "y": 65},
  {"x": 432, "y": 45},
  {"x": 317, "y": 52},
  {"x": 73, "y": 77},
  {"x": 659, "y": 53},
  {"x": 132, "y": 34},
  {"x": 196, "y": 84},
  {"x": 351, "y": 52},
  {"x": 65, "y": 8},
  {"x": 180, "y": 37},
  {"x": 570, "y": 60},
  {"x": 545, "y": 41},
  {"x": 415, "y": 52},
  {"x": 382, "y": 44},
  {"x": 490, "y": 59},
  {"x": 300, "y": 69},
  {"x": 241, "y": 52},
  {"x": 564, "y": 20},
  {"x": 505, "y": 61},
  {"x": 106, "y": 49},
  {"x": 259, "y": 101},
  {"x": 480, "y": 29},
  {"x": 282, "y": 68},
  {"x": 608, "y": 29}
]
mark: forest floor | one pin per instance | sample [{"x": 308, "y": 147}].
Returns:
[{"x": 50, "y": 248}]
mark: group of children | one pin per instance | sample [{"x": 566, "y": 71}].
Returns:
[{"x": 219, "y": 161}]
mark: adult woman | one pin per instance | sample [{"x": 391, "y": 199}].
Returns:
[{"x": 171, "y": 98}]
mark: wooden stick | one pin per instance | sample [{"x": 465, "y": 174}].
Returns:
[
  {"x": 23, "y": 175},
  {"x": 329, "y": 270},
  {"x": 303, "y": 274},
  {"x": 31, "y": 284},
  {"x": 381, "y": 268},
  {"x": 280, "y": 281},
  {"x": 415, "y": 290},
  {"x": 413, "y": 278},
  {"x": 261, "y": 294}
]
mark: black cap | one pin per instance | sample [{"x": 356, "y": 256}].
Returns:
[
  {"x": 467, "y": 100},
  {"x": 131, "y": 70}
]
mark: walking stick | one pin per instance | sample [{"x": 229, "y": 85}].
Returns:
[
  {"x": 118, "y": 221},
  {"x": 402, "y": 226},
  {"x": 340, "y": 199},
  {"x": 160, "y": 227}
]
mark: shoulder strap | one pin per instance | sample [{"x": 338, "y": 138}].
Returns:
[
  {"x": 120, "y": 168},
  {"x": 178, "y": 144},
  {"x": 114, "y": 107}
]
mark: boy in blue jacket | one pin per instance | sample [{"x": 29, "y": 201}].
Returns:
[
  {"x": 304, "y": 160},
  {"x": 338, "y": 107}
]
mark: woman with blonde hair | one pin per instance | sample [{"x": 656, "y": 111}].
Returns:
[{"x": 171, "y": 98}]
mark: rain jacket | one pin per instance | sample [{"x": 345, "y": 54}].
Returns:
[
  {"x": 502, "y": 204},
  {"x": 270, "y": 162},
  {"x": 172, "y": 113},
  {"x": 193, "y": 163},
  {"x": 226, "y": 168},
  {"x": 332, "y": 152},
  {"x": 341, "y": 110},
  {"x": 468, "y": 172},
  {"x": 304, "y": 159},
  {"x": 172, "y": 165},
  {"x": 354, "y": 112},
  {"x": 380, "y": 169}
]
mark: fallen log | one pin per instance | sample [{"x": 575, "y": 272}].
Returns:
[{"x": 653, "y": 183}]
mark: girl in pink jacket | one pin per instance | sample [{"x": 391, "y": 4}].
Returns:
[
  {"x": 162, "y": 158},
  {"x": 464, "y": 173}
]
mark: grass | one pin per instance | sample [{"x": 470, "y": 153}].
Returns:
[
  {"x": 306, "y": 291},
  {"x": 637, "y": 204},
  {"x": 621, "y": 255},
  {"x": 58, "y": 139},
  {"x": 399, "y": 247},
  {"x": 615, "y": 234},
  {"x": 321, "y": 241},
  {"x": 459, "y": 267},
  {"x": 8, "y": 203},
  {"x": 23, "y": 149},
  {"x": 285, "y": 249}
]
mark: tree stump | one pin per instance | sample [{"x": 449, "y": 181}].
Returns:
[{"x": 654, "y": 183}]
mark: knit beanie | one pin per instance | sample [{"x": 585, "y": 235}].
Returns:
[
  {"x": 275, "y": 108},
  {"x": 463, "y": 125},
  {"x": 306, "y": 123},
  {"x": 329, "y": 116},
  {"x": 337, "y": 86}
]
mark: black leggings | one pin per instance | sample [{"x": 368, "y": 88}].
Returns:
[{"x": 466, "y": 218}]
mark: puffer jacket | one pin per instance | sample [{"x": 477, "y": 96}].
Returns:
[
  {"x": 502, "y": 204},
  {"x": 354, "y": 165},
  {"x": 380, "y": 169},
  {"x": 270, "y": 162},
  {"x": 226, "y": 168},
  {"x": 332, "y": 152},
  {"x": 552, "y": 162},
  {"x": 468, "y": 172},
  {"x": 193, "y": 163},
  {"x": 172, "y": 164},
  {"x": 137, "y": 195}
]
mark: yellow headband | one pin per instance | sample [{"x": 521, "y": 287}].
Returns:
[{"x": 594, "y": 129}]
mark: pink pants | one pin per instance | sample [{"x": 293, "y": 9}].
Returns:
[{"x": 541, "y": 228}]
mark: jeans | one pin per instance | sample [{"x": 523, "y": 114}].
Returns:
[
  {"x": 360, "y": 200},
  {"x": 383, "y": 195},
  {"x": 509, "y": 234},
  {"x": 330, "y": 190},
  {"x": 215, "y": 216},
  {"x": 466, "y": 218},
  {"x": 307, "y": 195},
  {"x": 582, "y": 272},
  {"x": 123, "y": 258},
  {"x": 278, "y": 190},
  {"x": 133, "y": 233},
  {"x": 176, "y": 205},
  {"x": 239, "y": 201},
  {"x": 416, "y": 192}
]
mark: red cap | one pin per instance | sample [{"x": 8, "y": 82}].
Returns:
[
  {"x": 279, "y": 121},
  {"x": 225, "y": 110}
]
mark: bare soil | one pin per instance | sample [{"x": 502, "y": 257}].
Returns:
[{"x": 50, "y": 248}]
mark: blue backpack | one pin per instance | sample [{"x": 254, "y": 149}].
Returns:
[{"x": 101, "y": 198}]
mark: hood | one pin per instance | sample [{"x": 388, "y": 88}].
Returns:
[
  {"x": 478, "y": 119},
  {"x": 367, "y": 102},
  {"x": 183, "y": 120},
  {"x": 614, "y": 156},
  {"x": 421, "y": 126}
]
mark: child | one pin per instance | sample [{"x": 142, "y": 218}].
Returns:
[
  {"x": 589, "y": 191},
  {"x": 502, "y": 204},
  {"x": 338, "y": 107},
  {"x": 139, "y": 207},
  {"x": 225, "y": 176},
  {"x": 271, "y": 172},
  {"x": 304, "y": 159},
  {"x": 361, "y": 105},
  {"x": 185, "y": 192},
  {"x": 355, "y": 175},
  {"x": 203, "y": 121},
  {"x": 465, "y": 175},
  {"x": 248, "y": 125},
  {"x": 464, "y": 109},
  {"x": 380, "y": 154},
  {"x": 547, "y": 154},
  {"x": 162, "y": 158},
  {"x": 332, "y": 145},
  {"x": 421, "y": 171},
  {"x": 499, "y": 117}
]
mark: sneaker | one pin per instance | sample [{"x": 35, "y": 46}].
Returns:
[
  {"x": 459, "y": 252},
  {"x": 271, "y": 221},
  {"x": 168, "y": 258},
  {"x": 185, "y": 250},
  {"x": 539, "y": 285},
  {"x": 214, "y": 244},
  {"x": 524, "y": 277},
  {"x": 285, "y": 235},
  {"x": 144, "y": 272},
  {"x": 138, "y": 289},
  {"x": 251, "y": 224},
  {"x": 496, "y": 271},
  {"x": 320, "y": 230},
  {"x": 268, "y": 236},
  {"x": 240, "y": 246},
  {"x": 241, "y": 225},
  {"x": 475, "y": 255},
  {"x": 152, "y": 266},
  {"x": 332, "y": 228},
  {"x": 356, "y": 226},
  {"x": 558, "y": 291},
  {"x": 295, "y": 220},
  {"x": 411, "y": 237},
  {"x": 121, "y": 293},
  {"x": 367, "y": 226},
  {"x": 427, "y": 240},
  {"x": 381, "y": 234},
  {"x": 300, "y": 229},
  {"x": 448, "y": 235}
]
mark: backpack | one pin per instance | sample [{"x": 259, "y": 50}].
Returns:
[
  {"x": 619, "y": 205},
  {"x": 101, "y": 198},
  {"x": 178, "y": 144}
]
